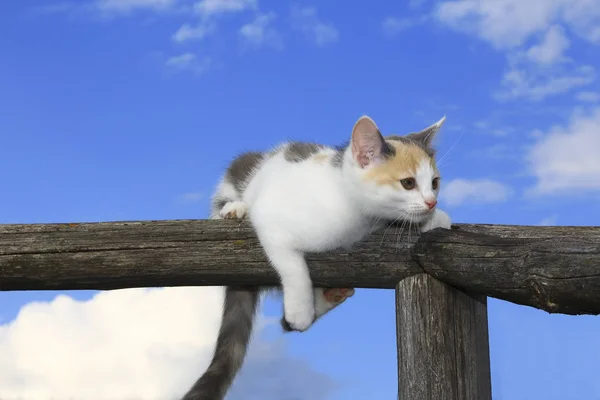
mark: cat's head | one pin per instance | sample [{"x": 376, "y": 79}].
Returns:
[{"x": 395, "y": 176}]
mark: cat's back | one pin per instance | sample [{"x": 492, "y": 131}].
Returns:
[
  {"x": 289, "y": 158},
  {"x": 300, "y": 176},
  {"x": 298, "y": 196},
  {"x": 293, "y": 168}
]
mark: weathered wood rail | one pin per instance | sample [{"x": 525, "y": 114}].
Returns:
[{"x": 441, "y": 278}]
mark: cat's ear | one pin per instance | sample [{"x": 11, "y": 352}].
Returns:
[
  {"x": 368, "y": 146},
  {"x": 426, "y": 135}
]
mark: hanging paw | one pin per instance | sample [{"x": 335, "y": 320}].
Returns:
[
  {"x": 327, "y": 299},
  {"x": 234, "y": 210},
  {"x": 337, "y": 296},
  {"x": 439, "y": 219},
  {"x": 299, "y": 319},
  {"x": 298, "y": 315}
]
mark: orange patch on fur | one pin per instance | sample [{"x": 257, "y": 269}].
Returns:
[
  {"x": 403, "y": 165},
  {"x": 320, "y": 158}
]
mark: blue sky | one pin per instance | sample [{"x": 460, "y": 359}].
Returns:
[{"x": 130, "y": 109}]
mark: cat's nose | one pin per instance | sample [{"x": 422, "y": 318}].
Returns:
[{"x": 431, "y": 203}]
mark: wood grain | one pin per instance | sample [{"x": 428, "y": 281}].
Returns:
[
  {"x": 556, "y": 269},
  {"x": 113, "y": 255},
  {"x": 443, "y": 348}
]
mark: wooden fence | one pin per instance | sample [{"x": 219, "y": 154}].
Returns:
[{"x": 442, "y": 278}]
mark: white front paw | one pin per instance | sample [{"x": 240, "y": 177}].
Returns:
[
  {"x": 234, "y": 210},
  {"x": 298, "y": 317},
  {"x": 439, "y": 219}
]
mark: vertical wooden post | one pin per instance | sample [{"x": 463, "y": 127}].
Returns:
[{"x": 443, "y": 346}]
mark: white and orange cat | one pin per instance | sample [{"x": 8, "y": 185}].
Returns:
[{"x": 305, "y": 197}]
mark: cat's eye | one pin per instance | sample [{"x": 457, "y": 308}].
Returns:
[
  {"x": 435, "y": 183},
  {"x": 408, "y": 183}
]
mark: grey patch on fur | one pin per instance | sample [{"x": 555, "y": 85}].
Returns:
[
  {"x": 422, "y": 139},
  {"x": 300, "y": 151},
  {"x": 234, "y": 335},
  {"x": 218, "y": 203},
  {"x": 425, "y": 136},
  {"x": 338, "y": 158},
  {"x": 241, "y": 168},
  {"x": 387, "y": 151},
  {"x": 411, "y": 140}
]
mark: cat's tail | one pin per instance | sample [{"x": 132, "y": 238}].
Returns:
[{"x": 234, "y": 335}]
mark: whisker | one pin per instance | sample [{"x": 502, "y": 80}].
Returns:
[
  {"x": 375, "y": 224},
  {"x": 399, "y": 238},
  {"x": 405, "y": 223},
  {"x": 386, "y": 229},
  {"x": 410, "y": 225},
  {"x": 447, "y": 153}
]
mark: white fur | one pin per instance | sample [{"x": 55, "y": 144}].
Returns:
[
  {"x": 438, "y": 219},
  {"x": 310, "y": 206},
  {"x": 387, "y": 201},
  {"x": 237, "y": 208},
  {"x": 227, "y": 190}
]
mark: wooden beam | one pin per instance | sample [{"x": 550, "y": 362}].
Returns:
[
  {"x": 556, "y": 269},
  {"x": 443, "y": 347},
  {"x": 115, "y": 255},
  {"x": 552, "y": 268}
]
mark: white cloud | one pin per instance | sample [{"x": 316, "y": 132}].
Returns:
[
  {"x": 111, "y": 8},
  {"x": 543, "y": 70},
  {"x": 533, "y": 35},
  {"x": 509, "y": 23},
  {"x": 392, "y": 25},
  {"x": 552, "y": 47},
  {"x": 588, "y": 97},
  {"x": 459, "y": 191},
  {"x": 416, "y": 3},
  {"x": 500, "y": 151},
  {"x": 208, "y": 11},
  {"x": 135, "y": 343},
  {"x": 548, "y": 221},
  {"x": 259, "y": 32},
  {"x": 188, "y": 62},
  {"x": 197, "y": 32},
  {"x": 306, "y": 20},
  {"x": 503, "y": 23},
  {"x": 565, "y": 160},
  {"x": 191, "y": 197},
  {"x": 55, "y": 8},
  {"x": 536, "y": 84},
  {"x": 492, "y": 128},
  {"x": 214, "y": 7},
  {"x": 583, "y": 17},
  {"x": 124, "y": 6}
]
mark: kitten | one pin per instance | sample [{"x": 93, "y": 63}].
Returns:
[{"x": 305, "y": 197}]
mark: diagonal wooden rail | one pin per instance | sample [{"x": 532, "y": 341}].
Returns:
[{"x": 442, "y": 278}]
